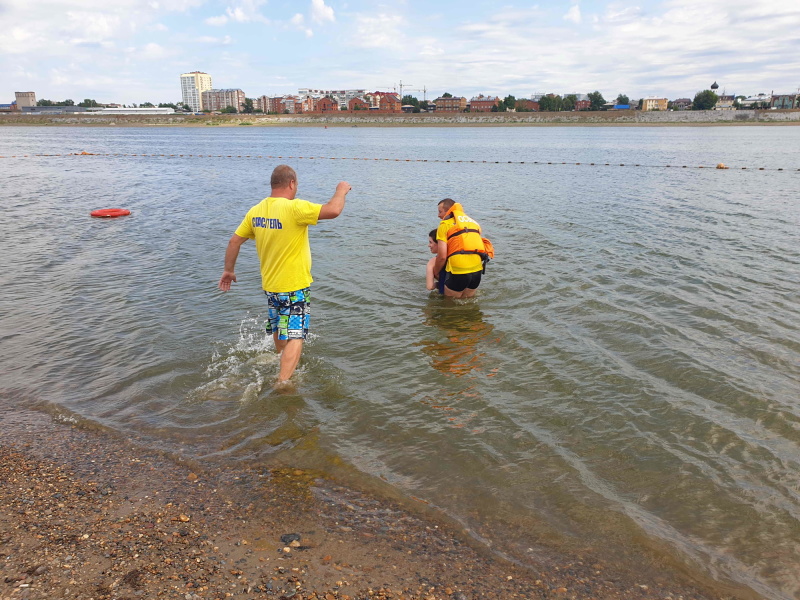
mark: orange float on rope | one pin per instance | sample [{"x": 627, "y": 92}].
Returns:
[{"x": 110, "y": 213}]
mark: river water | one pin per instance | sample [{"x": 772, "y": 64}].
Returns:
[{"x": 627, "y": 382}]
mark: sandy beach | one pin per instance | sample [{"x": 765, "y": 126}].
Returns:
[{"x": 88, "y": 515}]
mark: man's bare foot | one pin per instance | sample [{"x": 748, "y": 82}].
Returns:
[{"x": 284, "y": 385}]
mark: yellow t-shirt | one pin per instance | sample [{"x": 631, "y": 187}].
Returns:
[
  {"x": 280, "y": 229},
  {"x": 459, "y": 264}
]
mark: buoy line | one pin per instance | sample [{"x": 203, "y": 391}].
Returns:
[{"x": 719, "y": 166}]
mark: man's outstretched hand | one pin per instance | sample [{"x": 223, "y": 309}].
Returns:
[{"x": 225, "y": 281}]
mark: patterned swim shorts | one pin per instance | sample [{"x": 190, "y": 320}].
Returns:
[{"x": 289, "y": 313}]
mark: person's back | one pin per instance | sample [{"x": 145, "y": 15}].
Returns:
[
  {"x": 280, "y": 229},
  {"x": 459, "y": 251}
]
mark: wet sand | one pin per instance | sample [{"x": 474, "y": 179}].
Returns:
[{"x": 86, "y": 514}]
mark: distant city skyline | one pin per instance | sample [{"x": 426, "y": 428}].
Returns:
[{"x": 132, "y": 52}]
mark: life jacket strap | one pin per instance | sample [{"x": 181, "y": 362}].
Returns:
[
  {"x": 483, "y": 255},
  {"x": 462, "y": 231}
]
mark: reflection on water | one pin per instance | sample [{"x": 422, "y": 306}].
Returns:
[
  {"x": 456, "y": 346},
  {"x": 462, "y": 334}
]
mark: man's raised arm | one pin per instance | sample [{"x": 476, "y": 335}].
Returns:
[{"x": 334, "y": 207}]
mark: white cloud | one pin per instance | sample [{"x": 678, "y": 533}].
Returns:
[
  {"x": 431, "y": 49},
  {"x": 574, "y": 14},
  {"x": 243, "y": 11},
  {"x": 675, "y": 48},
  {"x": 621, "y": 14},
  {"x": 153, "y": 51},
  {"x": 320, "y": 12},
  {"x": 93, "y": 27},
  {"x": 298, "y": 21},
  {"x": 208, "y": 39},
  {"x": 381, "y": 31},
  {"x": 54, "y": 28}
]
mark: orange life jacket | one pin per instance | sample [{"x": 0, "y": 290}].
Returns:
[{"x": 464, "y": 237}]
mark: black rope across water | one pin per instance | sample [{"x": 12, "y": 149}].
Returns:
[{"x": 719, "y": 166}]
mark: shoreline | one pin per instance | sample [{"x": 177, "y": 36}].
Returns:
[
  {"x": 88, "y": 514},
  {"x": 623, "y": 118}
]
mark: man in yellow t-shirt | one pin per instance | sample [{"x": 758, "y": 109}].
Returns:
[
  {"x": 279, "y": 225},
  {"x": 463, "y": 271}
]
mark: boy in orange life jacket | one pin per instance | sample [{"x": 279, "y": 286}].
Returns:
[{"x": 459, "y": 250}]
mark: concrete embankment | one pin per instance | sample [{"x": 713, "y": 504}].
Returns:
[{"x": 605, "y": 118}]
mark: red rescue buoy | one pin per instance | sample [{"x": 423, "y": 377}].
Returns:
[{"x": 109, "y": 213}]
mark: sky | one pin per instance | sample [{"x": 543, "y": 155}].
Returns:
[{"x": 133, "y": 51}]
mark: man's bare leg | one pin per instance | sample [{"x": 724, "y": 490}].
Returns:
[
  {"x": 290, "y": 351},
  {"x": 450, "y": 293},
  {"x": 466, "y": 293}
]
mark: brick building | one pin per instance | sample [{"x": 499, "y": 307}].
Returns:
[
  {"x": 384, "y": 102},
  {"x": 357, "y": 104},
  {"x": 481, "y": 103},
  {"x": 216, "y": 100},
  {"x": 314, "y": 103},
  {"x": 455, "y": 104},
  {"x": 525, "y": 105},
  {"x": 278, "y": 104},
  {"x": 342, "y": 97}
]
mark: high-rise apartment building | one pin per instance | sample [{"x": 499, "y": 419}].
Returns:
[
  {"x": 25, "y": 99},
  {"x": 192, "y": 87},
  {"x": 220, "y": 99}
]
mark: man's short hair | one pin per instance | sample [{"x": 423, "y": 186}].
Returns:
[
  {"x": 447, "y": 203},
  {"x": 282, "y": 176}
]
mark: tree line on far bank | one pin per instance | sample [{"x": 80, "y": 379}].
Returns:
[
  {"x": 705, "y": 100},
  {"x": 91, "y": 103}
]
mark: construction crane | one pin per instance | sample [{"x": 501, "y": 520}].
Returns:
[{"x": 406, "y": 87}]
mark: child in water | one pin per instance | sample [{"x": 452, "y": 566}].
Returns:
[{"x": 433, "y": 281}]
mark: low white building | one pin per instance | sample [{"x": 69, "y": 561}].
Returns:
[
  {"x": 133, "y": 111},
  {"x": 758, "y": 98}
]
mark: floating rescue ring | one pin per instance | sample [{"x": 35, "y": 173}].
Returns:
[{"x": 110, "y": 213}]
